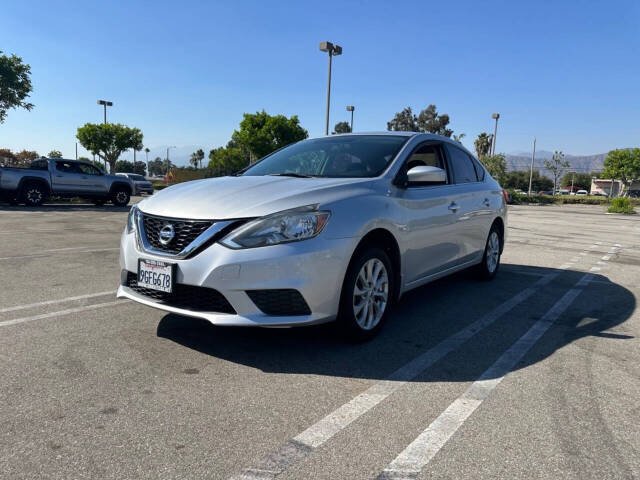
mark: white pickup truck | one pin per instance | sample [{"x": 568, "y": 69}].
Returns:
[{"x": 62, "y": 178}]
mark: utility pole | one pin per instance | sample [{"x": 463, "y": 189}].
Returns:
[
  {"x": 533, "y": 156},
  {"x": 332, "y": 50},
  {"x": 76, "y": 150},
  {"x": 573, "y": 176}
]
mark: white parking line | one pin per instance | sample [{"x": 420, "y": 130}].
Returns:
[
  {"x": 53, "y": 302},
  {"x": 15, "y": 321},
  {"x": 410, "y": 462},
  {"x": 316, "y": 435}
]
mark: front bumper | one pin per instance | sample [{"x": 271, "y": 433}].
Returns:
[{"x": 315, "y": 268}]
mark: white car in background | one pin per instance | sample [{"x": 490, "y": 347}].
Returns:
[{"x": 582, "y": 192}]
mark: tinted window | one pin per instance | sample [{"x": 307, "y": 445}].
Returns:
[
  {"x": 137, "y": 178},
  {"x": 463, "y": 169},
  {"x": 480, "y": 171},
  {"x": 67, "y": 167},
  {"x": 88, "y": 169},
  {"x": 339, "y": 156}
]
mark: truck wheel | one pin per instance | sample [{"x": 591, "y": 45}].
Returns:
[
  {"x": 120, "y": 197},
  {"x": 33, "y": 195}
]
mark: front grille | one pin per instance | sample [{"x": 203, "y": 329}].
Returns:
[
  {"x": 189, "y": 297},
  {"x": 280, "y": 302},
  {"x": 186, "y": 231}
]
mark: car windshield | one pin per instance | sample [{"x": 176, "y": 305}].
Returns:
[
  {"x": 339, "y": 156},
  {"x": 137, "y": 178}
]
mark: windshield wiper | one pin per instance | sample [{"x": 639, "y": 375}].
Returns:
[{"x": 290, "y": 174}]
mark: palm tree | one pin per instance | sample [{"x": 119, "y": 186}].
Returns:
[
  {"x": 146, "y": 151},
  {"x": 458, "y": 138},
  {"x": 482, "y": 144}
]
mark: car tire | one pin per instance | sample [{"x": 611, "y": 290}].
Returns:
[
  {"x": 120, "y": 197},
  {"x": 33, "y": 195},
  {"x": 490, "y": 264},
  {"x": 367, "y": 294}
]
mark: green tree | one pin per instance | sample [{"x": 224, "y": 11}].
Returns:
[
  {"x": 196, "y": 158},
  {"x": 261, "y": 133},
  {"x": 25, "y": 157},
  {"x": 342, "y": 127},
  {"x": 54, "y": 154},
  {"x": 623, "y": 165},
  {"x": 496, "y": 165},
  {"x": 155, "y": 167},
  {"x": 15, "y": 84},
  {"x": 458, "y": 138},
  {"x": 556, "y": 165},
  {"x": 109, "y": 140},
  {"x": 124, "y": 166},
  {"x": 520, "y": 179},
  {"x": 427, "y": 121},
  {"x": 226, "y": 160},
  {"x": 482, "y": 145},
  {"x": 581, "y": 181}
]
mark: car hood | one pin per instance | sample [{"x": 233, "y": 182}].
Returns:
[{"x": 248, "y": 196}]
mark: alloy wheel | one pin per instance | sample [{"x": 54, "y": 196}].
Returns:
[
  {"x": 370, "y": 294},
  {"x": 493, "y": 251}
]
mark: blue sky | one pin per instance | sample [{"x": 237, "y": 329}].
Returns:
[{"x": 184, "y": 72}]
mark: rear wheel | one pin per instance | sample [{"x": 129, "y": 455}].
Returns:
[
  {"x": 491, "y": 258},
  {"x": 120, "y": 197},
  {"x": 33, "y": 194},
  {"x": 366, "y": 294}
]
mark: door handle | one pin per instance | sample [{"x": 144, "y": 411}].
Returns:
[{"x": 454, "y": 207}]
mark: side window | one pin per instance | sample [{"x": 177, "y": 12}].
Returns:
[
  {"x": 480, "y": 171},
  {"x": 463, "y": 169},
  {"x": 428, "y": 155},
  {"x": 88, "y": 169},
  {"x": 66, "y": 167}
]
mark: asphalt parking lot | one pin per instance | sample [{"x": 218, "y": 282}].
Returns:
[{"x": 533, "y": 375}]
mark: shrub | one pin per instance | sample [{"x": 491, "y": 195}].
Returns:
[{"x": 621, "y": 205}]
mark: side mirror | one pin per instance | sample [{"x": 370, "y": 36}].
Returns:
[{"x": 425, "y": 174}]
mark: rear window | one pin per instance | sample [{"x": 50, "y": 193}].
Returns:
[{"x": 137, "y": 178}]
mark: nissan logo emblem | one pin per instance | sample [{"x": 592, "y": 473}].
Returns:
[{"x": 167, "y": 233}]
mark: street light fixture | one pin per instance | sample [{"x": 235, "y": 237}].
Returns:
[
  {"x": 168, "y": 162},
  {"x": 332, "y": 50},
  {"x": 351, "y": 108},
  {"x": 495, "y": 133},
  {"x": 105, "y": 104}
]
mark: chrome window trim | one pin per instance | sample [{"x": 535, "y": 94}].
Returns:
[{"x": 208, "y": 234}]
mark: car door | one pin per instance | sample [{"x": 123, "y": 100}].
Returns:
[
  {"x": 66, "y": 177},
  {"x": 94, "y": 181},
  {"x": 472, "y": 201},
  {"x": 428, "y": 232}
]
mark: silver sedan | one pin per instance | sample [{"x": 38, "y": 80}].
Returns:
[{"x": 329, "y": 228}]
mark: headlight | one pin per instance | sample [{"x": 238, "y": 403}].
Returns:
[
  {"x": 132, "y": 219},
  {"x": 283, "y": 227}
]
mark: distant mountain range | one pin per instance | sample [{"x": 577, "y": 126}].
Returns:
[{"x": 578, "y": 163}]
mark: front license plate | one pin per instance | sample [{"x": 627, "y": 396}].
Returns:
[{"x": 156, "y": 275}]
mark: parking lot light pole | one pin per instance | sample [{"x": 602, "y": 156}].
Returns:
[
  {"x": 351, "y": 108},
  {"x": 495, "y": 133},
  {"x": 168, "y": 162},
  {"x": 105, "y": 104},
  {"x": 332, "y": 50}
]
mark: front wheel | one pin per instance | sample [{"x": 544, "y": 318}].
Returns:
[
  {"x": 367, "y": 294},
  {"x": 120, "y": 197},
  {"x": 491, "y": 258}
]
